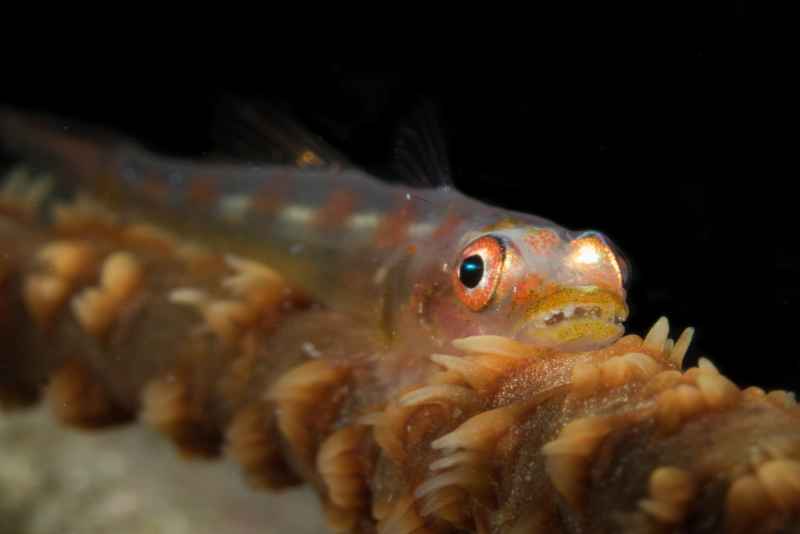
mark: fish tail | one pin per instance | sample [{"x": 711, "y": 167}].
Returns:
[
  {"x": 57, "y": 143},
  {"x": 108, "y": 321}
]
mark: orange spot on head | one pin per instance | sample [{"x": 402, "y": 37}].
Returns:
[
  {"x": 542, "y": 241},
  {"x": 525, "y": 288},
  {"x": 548, "y": 288}
]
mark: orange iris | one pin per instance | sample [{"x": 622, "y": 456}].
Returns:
[{"x": 478, "y": 272}]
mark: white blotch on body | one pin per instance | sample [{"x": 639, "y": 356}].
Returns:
[
  {"x": 363, "y": 221},
  {"x": 297, "y": 214},
  {"x": 310, "y": 350},
  {"x": 235, "y": 208}
]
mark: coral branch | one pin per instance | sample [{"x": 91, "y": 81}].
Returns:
[{"x": 112, "y": 320}]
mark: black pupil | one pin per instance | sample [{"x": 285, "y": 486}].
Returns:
[{"x": 471, "y": 271}]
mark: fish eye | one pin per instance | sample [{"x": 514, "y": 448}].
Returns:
[
  {"x": 478, "y": 273},
  {"x": 471, "y": 271}
]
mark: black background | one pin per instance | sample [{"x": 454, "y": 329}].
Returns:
[{"x": 670, "y": 181}]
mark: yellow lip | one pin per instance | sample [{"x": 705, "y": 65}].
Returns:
[{"x": 575, "y": 318}]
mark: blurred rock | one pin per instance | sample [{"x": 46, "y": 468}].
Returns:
[{"x": 129, "y": 481}]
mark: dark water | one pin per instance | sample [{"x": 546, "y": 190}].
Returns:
[{"x": 671, "y": 182}]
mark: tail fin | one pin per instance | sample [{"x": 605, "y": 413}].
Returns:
[{"x": 59, "y": 144}]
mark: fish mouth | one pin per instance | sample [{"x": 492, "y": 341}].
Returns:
[{"x": 575, "y": 318}]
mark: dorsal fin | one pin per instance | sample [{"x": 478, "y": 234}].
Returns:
[
  {"x": 262, "y": 133},
  {"x": 420, "y": 152}
]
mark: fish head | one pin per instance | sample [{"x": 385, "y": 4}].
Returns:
[{"x": 541, "y": 285}]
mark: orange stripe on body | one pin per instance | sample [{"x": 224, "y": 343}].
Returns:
[
  {"x": 154, "y": 187},
  {"x": 447, "y": 226},
  {"x": 272, "y": 195},
  {"x": 339, "y": 206},
  {"x": 393, "y": 228},
  {"x": 203, "y": 191}
]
